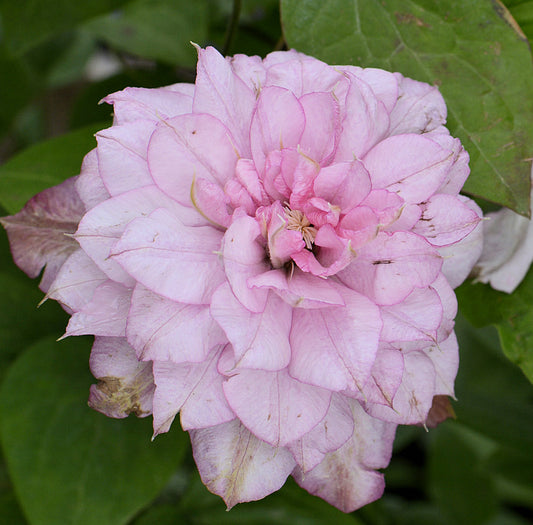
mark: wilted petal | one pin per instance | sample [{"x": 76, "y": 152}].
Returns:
[
  {"x": 346, "y": 478},
  {"x": 236, "y": 465},
  {"x": 125, "y": 385},
  {"x": 37, "y": 233}
]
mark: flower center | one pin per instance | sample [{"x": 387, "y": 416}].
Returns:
[{"x": 296, "y": 220}]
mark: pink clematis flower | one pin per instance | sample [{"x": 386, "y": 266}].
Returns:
[{"x": 271, "y": 253}]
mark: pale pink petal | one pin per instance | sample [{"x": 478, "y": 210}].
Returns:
[
  {"x": 236, "y": 465},
  {"x": 420, "y": 108},
  {"x": 89, "y": 184},
  {"x": 445, "y": 358},
  {"x": 104, "y": 224},
  {"x": 299, "y": 289},
  {"x": 122, "y": 152},
  {"x": 384, "y": 85},
  {"x": 222, "y": 93},
  {"x": 446, "y": 220},
  {"x": 125, "y": 385},
  {"x": 38, "y": 234},
  {"x": 343, "y": 184},
  {"x": 270, "y": 129},
  {"x": 105, "y": 314},
  {"x": 459, "y": 171},
  {"x": 335, "y": 347},
  {"x": 76, "y": 281},
  {"x": 322, "y": 128},
  {"x": 365, "y": 122},
  {"x": 301, "y": 74},
  {"x": 385, "y": 378},
  {"x": 194, "y": 390},
  {"x": 346, "y": 478},
  {"x": 459, "y": 258},
  {"x": 164, "y": 330},
  {"x": 171, "y": 259},
  {"x": 243, "y": 258},
  {"x": 177, "y": 154},
  {"x": 249, "y": 69},
  {"x": 330, "y": 434},
  {"x": 133, "y": 104},
  {"x": 414, "y": 396},
  {"x": 388, "y": 269},
  {"x": 411, "y": 165},
  {"x": 418, "y": 316},
  {"x": 284, "y": 409},
  {"x": 260, "y": 340},
  {"x": 211, "y": 202}
]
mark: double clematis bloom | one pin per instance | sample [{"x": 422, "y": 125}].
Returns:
[{"x": 271, "y": 253}]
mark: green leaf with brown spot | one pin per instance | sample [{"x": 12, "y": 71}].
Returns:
[{"x": 471, "y": 50}]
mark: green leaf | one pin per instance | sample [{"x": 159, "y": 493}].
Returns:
[
  {"x": 69, "y": 464},
  {"x": 32, "y": 21},
  {"x": 43, "y": 165},
  {"x": 156, "y": 29},
  {"x": 469, "y": 49},
  {"x": 523, "y": 14},
  {"x": 460, "y": 488},
  {"x": 21, "y": 322},
  {"x": 511, "y": 313},
  {"x": 291, "y": 505}
]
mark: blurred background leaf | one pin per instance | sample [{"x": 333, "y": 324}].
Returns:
[{"x": 69, "y": 464}]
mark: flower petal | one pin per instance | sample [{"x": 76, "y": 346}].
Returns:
[
  {"x": 271, "y": 129},
  {"x": 171, "y": 259},
  {"x": 329, "y": 435},
  {"x": 164, "y": 330},
  {"x": 37, "y": 232},
  {"x": 236, "y": 465},
  {"x": 411, "y": 165},
  {"x": 195, "y": 389},
  {"x": 222, "y": 93},
  {"x": 260, "y": 340},
  {"x": 346, "y": 478},
  {"x": 388, "y": 269},
  {"x": 125, "y": 385},
  {"x": 178, "y": 153},
  {"x": 283, "y": 408},
  {"x": 335, "y": 347}
]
